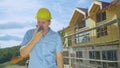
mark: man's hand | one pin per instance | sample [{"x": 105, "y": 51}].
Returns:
[
  {"x": 16, "y": 59},
  {"x": 25, "y": 50},
  {"x": 37, "y": 35}
]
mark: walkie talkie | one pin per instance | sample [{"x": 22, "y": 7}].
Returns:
[{"x": 39, "y": 29}]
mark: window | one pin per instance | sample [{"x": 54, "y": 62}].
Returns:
[
  {"x": 97, "y": 53},
  {"x": 104, "y": 55},
  {"x": 79, "y": 55},
  {"x": 100, "y": 16},
  {"x": 101, "y": 31},
  {"x": 112, "y": 55},
  {"x": 91, "y": 55},
  {"x": 69, "y": 41},
  {"x": 78, "y": 38},
  {"x": 86, "y": 38},
  {"x": 80, "y": 24},
  {"x": 66, "y": 60},
  {"x": 81, "y": 38},
  {"x": 66, "y": 54},
  {"x": 87, "y": 23},
  {"x": 94, "y": 55},
  {"x": 109, "y": 55}
]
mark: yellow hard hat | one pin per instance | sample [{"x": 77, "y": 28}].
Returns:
[{"x": 43, "y": 14}]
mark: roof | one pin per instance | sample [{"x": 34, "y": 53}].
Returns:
[
  {"x": 115, "y": 2},
  {"x": 84, "y": 10},
  {"x": 105, "y": 4}
]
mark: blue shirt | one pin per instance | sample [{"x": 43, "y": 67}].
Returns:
[{"x": 43, "y": 54}]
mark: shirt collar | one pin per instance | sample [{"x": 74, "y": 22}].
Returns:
[{"x": 49, "y": 31}]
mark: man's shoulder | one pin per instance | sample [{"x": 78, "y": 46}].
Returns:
[
  {"x": 31, "y": 30},
  {"x": 56, "y": 34}
]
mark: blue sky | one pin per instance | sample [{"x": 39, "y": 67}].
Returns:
[{"x": 17, "y": 16}]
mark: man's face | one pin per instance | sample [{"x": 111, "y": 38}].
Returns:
[{"x": 44, "y": 24}]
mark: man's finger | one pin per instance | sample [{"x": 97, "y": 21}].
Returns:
[
  {"x": 40, "y": 32},
  {"x": 37, "y": 28}
]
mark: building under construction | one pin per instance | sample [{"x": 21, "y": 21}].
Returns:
[{"x": 92, "y": 39}]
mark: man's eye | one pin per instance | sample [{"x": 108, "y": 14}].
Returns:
[{"x": 38, "y": 21}]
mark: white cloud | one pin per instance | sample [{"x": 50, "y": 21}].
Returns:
[
  {"x": 56, "y": 26},
  {"x": 57, "y": 8},
  {"x": 4, "y": 44},
  {"x": 19, "y": 20},
  {"x": 15, "y": 32},
  {"x": 19, "y": 11},
  {"x": 16, "y": 25},
  {"x": 20, "y": 4},
  {"x": 84, "y": 3}
]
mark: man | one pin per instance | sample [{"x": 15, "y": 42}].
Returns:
[{"x": 44, "y": 46}]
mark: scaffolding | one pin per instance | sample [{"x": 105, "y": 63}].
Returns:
[{"x": 71, "y": 59}]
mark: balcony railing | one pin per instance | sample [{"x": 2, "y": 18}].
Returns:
[{"x": 93, "y": 30}]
